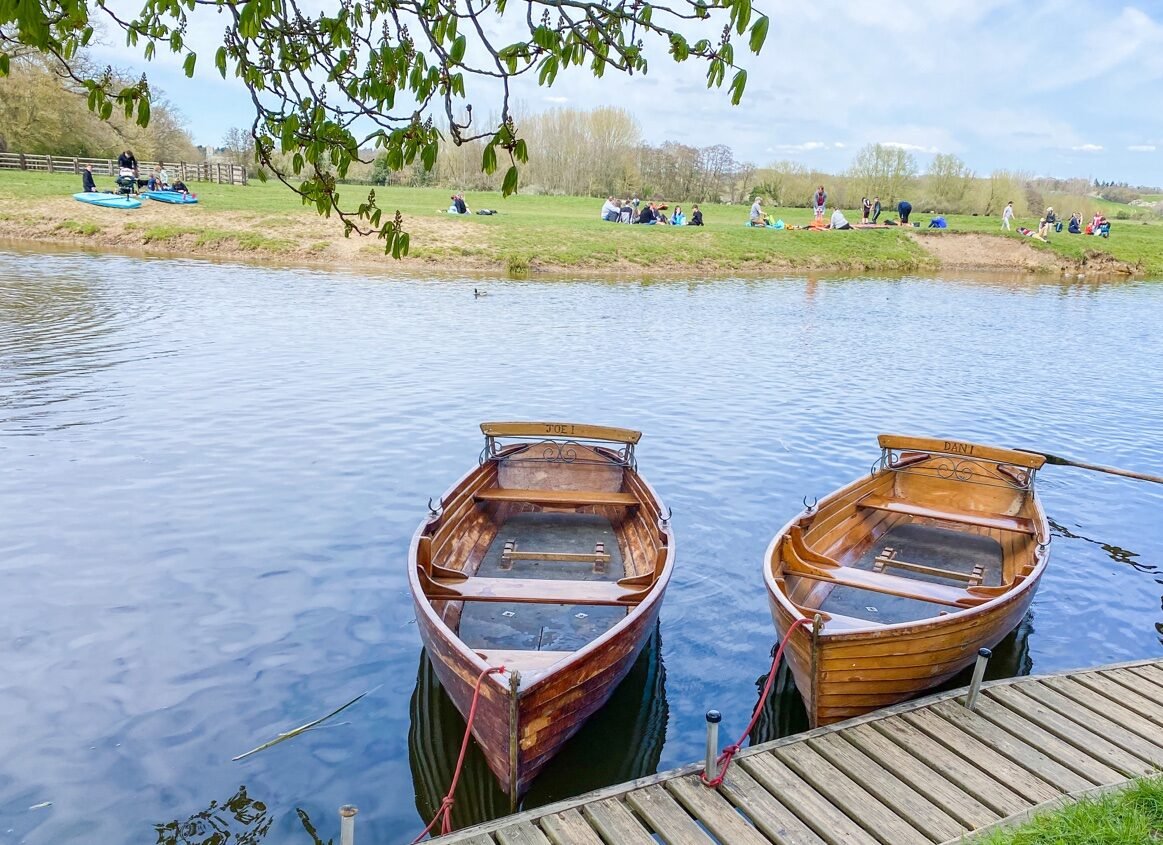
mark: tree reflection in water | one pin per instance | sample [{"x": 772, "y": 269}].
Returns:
[{"x": 216, "y": 825}]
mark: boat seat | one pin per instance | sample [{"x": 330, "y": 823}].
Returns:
[
  {"x": 835, "y": 622},
  {"x": 802, "y": 561},
  {"x": 556, "y": 497},
  {"x": 533, "y": 591},
  {"x": 1020, "y": 524},
  {"x": 523, "y": 661}
]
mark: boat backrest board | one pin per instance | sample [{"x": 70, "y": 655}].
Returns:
[
  {"x": 960, "y": 448},
  {"x": 559, "y": 431}
]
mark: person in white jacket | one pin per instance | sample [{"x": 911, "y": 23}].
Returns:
[{"x": 1007, "y": 215}]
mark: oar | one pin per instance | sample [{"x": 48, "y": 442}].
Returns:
[{"x": 1066, "y": 462}]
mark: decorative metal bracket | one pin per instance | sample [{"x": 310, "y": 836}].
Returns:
[
  {"x": 810, "y": 508},
  {"x": 435, "y": 510},
  {"x": 554, "y": 451},
  {"x": 664, "y": 521}
]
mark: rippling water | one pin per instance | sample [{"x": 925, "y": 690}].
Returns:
[{"x": 211, "y": 472}]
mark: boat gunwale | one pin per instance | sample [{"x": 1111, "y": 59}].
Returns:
[{"x": 576, "y": 658}]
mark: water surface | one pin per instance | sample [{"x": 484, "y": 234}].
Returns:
[{"x": 211, "y": 473}]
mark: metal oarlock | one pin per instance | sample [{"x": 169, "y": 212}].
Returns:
[
  {"x": 347, "y": 824},
  {"x": 713, "y": 719},
  {"x": 983, "y": 656}
]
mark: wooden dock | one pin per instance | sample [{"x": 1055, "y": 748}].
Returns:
[{"x": 920, "y": 773}]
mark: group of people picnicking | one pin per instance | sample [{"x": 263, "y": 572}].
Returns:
[
  {"x": 616, "y": 210},
  {"x": 870, "y": 210},
  {"x": 129, "y": 178},
  {"x": 1049, "y": 222}
]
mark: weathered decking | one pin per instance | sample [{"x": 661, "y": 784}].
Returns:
[{"x": 919, "y": 773}]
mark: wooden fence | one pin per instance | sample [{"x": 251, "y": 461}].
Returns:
[{"x": 231, "y": 174}]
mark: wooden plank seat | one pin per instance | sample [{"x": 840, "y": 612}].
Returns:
[
  {"x": 556, "y": 497},
  {"x": 801, "y": 560},
  {"x": 837, "y": 621},
  {"x": 533, "y": 590},
  {"x": 524, "y": 661},
  {"x": 1020, "y": 524}
]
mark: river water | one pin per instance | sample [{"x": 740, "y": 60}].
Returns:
[{"x": 211, "y": 473}]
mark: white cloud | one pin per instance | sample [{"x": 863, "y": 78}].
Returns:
[
  {"x": 556, "y": 100},
  {"x": 1087, "y": 148},
  {"x": 1142, "y": 148},
  {"x": 806, "y": 146},
  {"x": 912, "y": 148}
]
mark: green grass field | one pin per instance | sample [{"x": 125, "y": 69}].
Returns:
[
  {"x": 1130, "y": 817},
  {"x": 555, "y": 232}
]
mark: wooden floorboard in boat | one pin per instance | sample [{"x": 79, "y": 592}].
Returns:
[{"x": 916, "y": 773}]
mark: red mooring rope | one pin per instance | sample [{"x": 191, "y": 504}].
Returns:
[
  {"x": 445, "y": 811},
  {"x": 729, "y": 752}
]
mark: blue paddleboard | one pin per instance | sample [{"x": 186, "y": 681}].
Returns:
[
  {"x": 108, "y": 200},
  {"x": 176, "y": 197}
]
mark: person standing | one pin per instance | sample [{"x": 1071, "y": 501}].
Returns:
[
  {"x": 875, "y": 209},
  {"x": 865, "y": 209},
  {"x": 820, "y": 203},
  {"x": 1007, "y": 215},
  {"x": 904, "y": 208}
]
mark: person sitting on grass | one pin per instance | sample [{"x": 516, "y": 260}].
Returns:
[
  {"x": 647, "y": 216},
  {"x": 610, "y": 211},
  {"x": 839, "y": 221},
  {"x": 626, "y": 212},
  {"x": 87, "y": 183},
  {"x": 678, "y": 219},
  {"x": 757, "y": 217},
  {"x": 696, "y": 216},
  {"x": 1075, "y": 227},
  {"x": 459, "y": 204},
  {"x": 180, "y": 187},
  {"x": 938, "y": 222}
]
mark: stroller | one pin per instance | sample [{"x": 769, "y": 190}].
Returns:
[{"x": 126, "y": 182}]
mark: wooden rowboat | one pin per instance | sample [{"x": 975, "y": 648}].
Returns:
[
  {"x": 550, "y": 558},
  {"x": 903, "y": 575}
]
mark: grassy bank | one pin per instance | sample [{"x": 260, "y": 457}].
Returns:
[
  {"x": 530, "y": 234},
  {"x": 1130, "y": 817}
]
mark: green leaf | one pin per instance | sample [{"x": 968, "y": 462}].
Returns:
[
  {"x": 188, "y": 66},
  {"x": 737, "y": 86},
  {"x": 220, "y": 61},
  {"x": 759, "y": 33},
  {"x": 3, "y": 64},
  {"x": 489, "y": 159},
  {"x": 143, "y": 112},
  {"x": 509, "y": 186},
  {"x": 457, "y": 51}
]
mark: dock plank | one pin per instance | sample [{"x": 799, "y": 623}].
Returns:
[
  {"x": 1150, "y": 674},
  {"x": 1126, "y": 692},
  {"x": 949, "y": 795},
  {"x": 569, "y": 828},
  {"x": 521, "y": 833},
  {"x": 1016, "y": 777},
  {"x": 1030, "y": 759},
  {"x": 908, "y": 803},
  {"x": 714, "y": 811},
  {"x": 478, "y": 839},
  {"x": 616, "y": 824},
  {"x": 996, "y": 795},
  {"x": 1009, "y": 726},
  {"x": 666, "y": 816},
  {"x": 856, "y": 802},
  {"x": 1078, "y": 735},
  {"x": 833, "y": 826},
  {"x": 1109, "y": 705},
  {"x": 777, "y": 822},
  {"x": 1126, "y": 739}
]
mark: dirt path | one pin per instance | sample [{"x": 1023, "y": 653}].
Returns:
[{"x": 973, "y": 251}]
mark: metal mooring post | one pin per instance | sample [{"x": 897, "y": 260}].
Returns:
[
  {"x": 713, "y": 719},
  {"x": 983, "y": 656},
  {"x": 347, "y": 824}
]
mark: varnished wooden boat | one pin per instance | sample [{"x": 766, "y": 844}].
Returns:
[
  {"x": 550, "y": 558},
  {"x": 904, "y": 574}
]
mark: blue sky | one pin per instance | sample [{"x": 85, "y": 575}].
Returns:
[{"x": 1040, "y": 86}]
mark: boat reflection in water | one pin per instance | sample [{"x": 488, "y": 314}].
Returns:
[
  {"x": 620, "y": 742},
  {"x": 784, "y": 713}
]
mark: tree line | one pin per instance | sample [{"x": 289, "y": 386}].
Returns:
[{"x": 43, "y": 111}]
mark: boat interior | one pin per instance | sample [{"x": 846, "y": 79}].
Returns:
[
  {"x": 928, "y": 533},
  {"x": 544, "y": 548}
]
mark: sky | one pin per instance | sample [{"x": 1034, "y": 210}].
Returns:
[{"x": 1041, "y": 86}]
